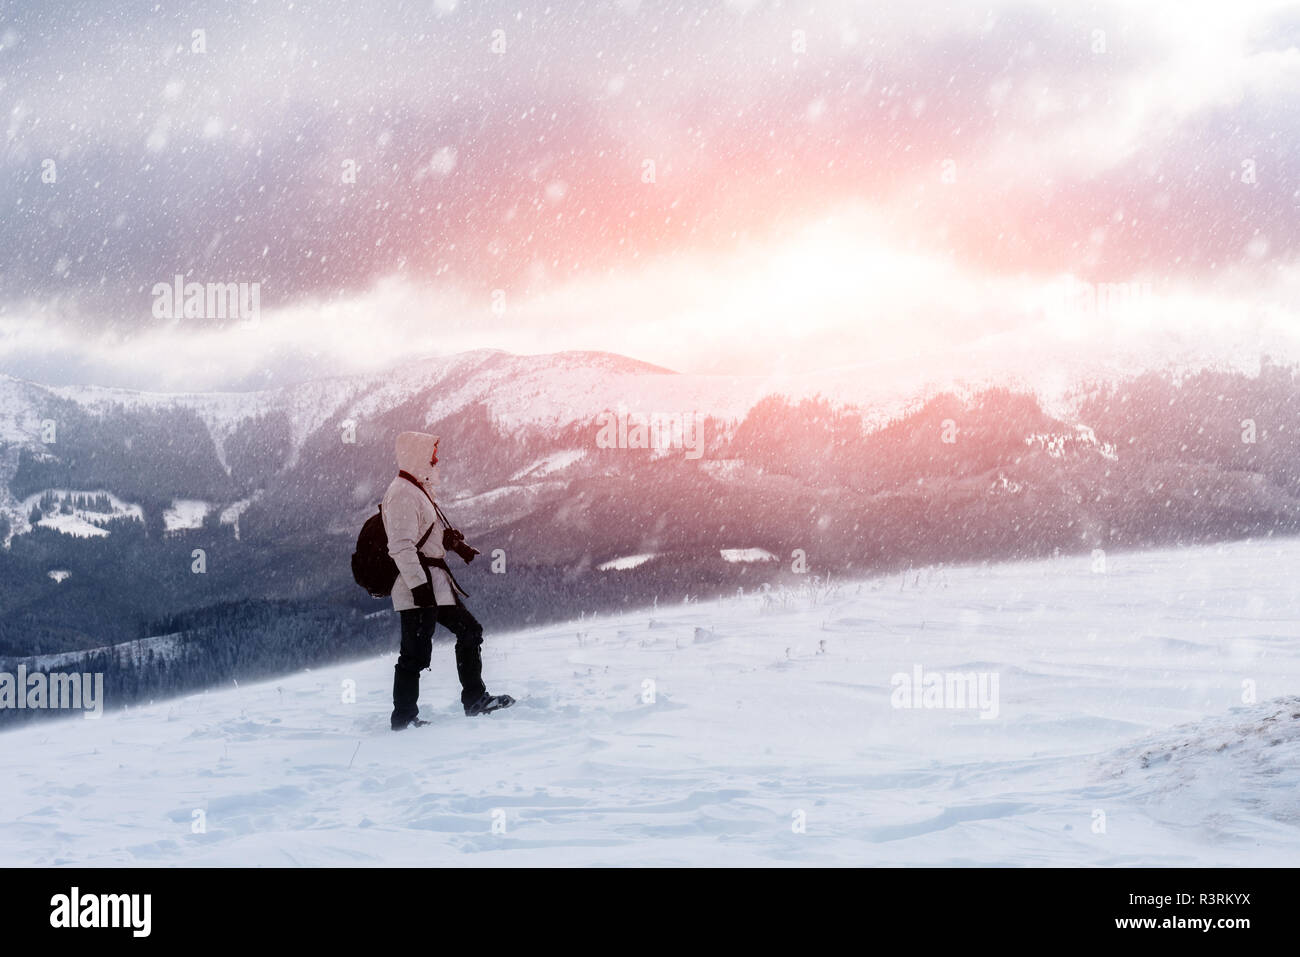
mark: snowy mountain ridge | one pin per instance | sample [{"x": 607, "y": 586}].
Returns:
[
  {"x": 557, "y": 389},
  {"x": 273, "y": 486},
  {"x": 547, "y": 390}
]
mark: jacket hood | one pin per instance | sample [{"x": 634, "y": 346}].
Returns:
[{"x": 414, "y": 449}]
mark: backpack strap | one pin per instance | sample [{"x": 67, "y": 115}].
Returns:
[{"x": 442, "y": 563}]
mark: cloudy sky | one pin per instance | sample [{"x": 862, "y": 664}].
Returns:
[{"x": 725, "y": 186}]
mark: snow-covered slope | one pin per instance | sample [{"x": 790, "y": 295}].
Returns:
[{"x": 706, "y": 732}]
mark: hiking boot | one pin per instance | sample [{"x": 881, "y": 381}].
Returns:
[
  {"x": 413, "y": 723},
  {"x": 488, "y": 703}
]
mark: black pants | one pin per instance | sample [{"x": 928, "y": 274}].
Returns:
[{"x": 417, "y": 648}]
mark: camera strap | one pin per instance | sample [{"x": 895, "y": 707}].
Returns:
[
  {"x": 423, "y": 538},
  {"x": 442, "y": 516},
  {"x": 426, "y": 561}
]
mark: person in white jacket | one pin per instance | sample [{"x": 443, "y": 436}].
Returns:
[{"x": 425, "y": 593}]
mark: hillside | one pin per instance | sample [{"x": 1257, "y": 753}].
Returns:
[{"x": 701, "y": 733}]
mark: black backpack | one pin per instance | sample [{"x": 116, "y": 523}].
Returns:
[{"x": 372, "y": 566}]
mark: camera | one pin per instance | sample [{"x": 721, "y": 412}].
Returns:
[{"x": 454, "y": 541}]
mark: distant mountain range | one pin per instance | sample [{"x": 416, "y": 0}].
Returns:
[{"x": 105, "y": 495}]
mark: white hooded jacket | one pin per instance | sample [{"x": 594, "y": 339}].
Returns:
[{"x": 408, "y": 514}]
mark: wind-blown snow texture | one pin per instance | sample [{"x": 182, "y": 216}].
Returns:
[{"x": 1120, "y": 694}]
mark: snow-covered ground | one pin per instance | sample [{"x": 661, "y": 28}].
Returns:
[
  {"x": 747, "y": 555},
  {"x": 167, "y": 647},
  {"x": 552, "y": 463},
  {"x": 80, "y": 522},
  {"x": 186, "y": 513},
  {"x": 755, "y": 730},
  {"x": 625, "y": 562}
]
